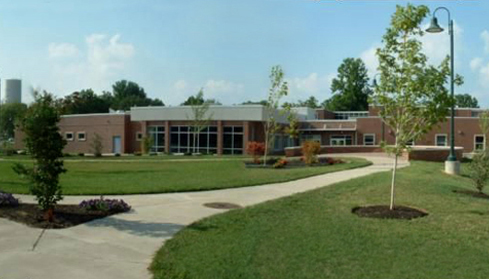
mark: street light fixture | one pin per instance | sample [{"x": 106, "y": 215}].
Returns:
[{"x": 452, "y": 166}]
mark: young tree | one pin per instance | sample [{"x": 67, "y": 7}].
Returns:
[
  {"x": 293, "y": 128},
  {"x": 200, "y": 117},
  {"x": 350, "y": 88},
  {"x": 97, "y": 145},
  {"x": 479, "y": 167},
  {"x": 146, "y": 144},
  {"x": 412, "y": 93},
  {"x": 278, "y": 89},
  {"x": 45, "y": 144}
]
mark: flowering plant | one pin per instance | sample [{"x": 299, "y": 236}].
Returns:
[
  {"x": 7, "y": 199},
  {"x": 106, "y": 205}
]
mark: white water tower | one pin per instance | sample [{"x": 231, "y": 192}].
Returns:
[{"x": 13, "y": 91}]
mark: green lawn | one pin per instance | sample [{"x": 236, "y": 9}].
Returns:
[
  {"x": 315, "y": 235},
  {"x": 160, "y": 176}
]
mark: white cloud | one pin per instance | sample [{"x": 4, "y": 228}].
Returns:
[
  {"x": 104, "y": 59},
  {"x": 313, "y": 84},
  {"x": 224, "y": 91},
  {"x": 437, "y": 46},
  {"x": 476, "y": 63},
  {"x": 485, "y": 39},
  {"x": 180, "y": 85},
  {"x": 370, "y": 59},
  {"x": 62, "y": 50}
]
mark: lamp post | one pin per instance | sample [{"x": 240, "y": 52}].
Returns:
[{"x": 452, "y": 166}]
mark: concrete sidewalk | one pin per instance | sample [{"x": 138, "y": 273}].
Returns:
[{"x": 122, "y": 246}]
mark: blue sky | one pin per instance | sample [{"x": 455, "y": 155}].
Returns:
[{"x": 173, "y": 48}]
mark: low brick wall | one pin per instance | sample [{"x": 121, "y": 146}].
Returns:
[
  {"x": 422, "y": 153},
  {"x": 296, "y": 150},
  {"x": 433, "y": 153}
]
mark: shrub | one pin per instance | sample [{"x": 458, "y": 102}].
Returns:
[
  {"x": 117, "y": 155},
  {"x": 45, "y": 143},
  {"x": 146, "y": 144},
  {"x": 479, "y": 170},
  {"x": 281, "y": 163},
  {"x": 7, "y": 148},
  {"x": 255, "y": 149},
  {"x": 97, "y": 145},
  {"x": 66, "y": 155},
  {"x": 81, "y": 154},
  {"x": 105, "y": 205},
  {"x": 137, "y": 153},
  {"x": 310, "y": 150},
  {"x": 7, "y": 199}
]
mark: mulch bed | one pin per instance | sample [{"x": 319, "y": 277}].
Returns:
[
  {"x": 222, "y": 205},
  {"x": 65, "y": 216},
  {"x": 474, "y": 194},
  {"x": 295, "y": 163},
  {"x": 383, "y": 212}
]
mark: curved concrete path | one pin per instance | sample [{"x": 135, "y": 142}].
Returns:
[{"x": 122, "y": 246}]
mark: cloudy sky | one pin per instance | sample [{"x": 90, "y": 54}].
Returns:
[{"x": 173, "y": 48}]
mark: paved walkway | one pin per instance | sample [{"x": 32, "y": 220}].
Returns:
[{"x": 122, "y": 246}]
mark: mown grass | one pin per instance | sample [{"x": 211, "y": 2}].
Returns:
[
  {"x": 315, "y": 235},
  {"x": 160, "y": 176}
]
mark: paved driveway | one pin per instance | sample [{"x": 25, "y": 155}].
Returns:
[{"x": 122, "y": 246}]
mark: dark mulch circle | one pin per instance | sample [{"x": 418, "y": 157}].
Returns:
[
  {"x": 222, "y": 205},
  {"x": 383, "y": 212},
  {"x": 65, "y": 216},
  {"x": 474, "y": 194}
]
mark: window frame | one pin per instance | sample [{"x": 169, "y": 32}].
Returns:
[
  {"x": 483, "y": 142},
  {"x": 81, "y": 133},
  {"x": 139, "y": 136},
  {"x": 373, "y": 141},
  {"x": 72, "y": 136},
  {"x": 446, "y": 139}
]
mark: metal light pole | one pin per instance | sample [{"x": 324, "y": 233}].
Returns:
[{"x": 452, "y": 166}]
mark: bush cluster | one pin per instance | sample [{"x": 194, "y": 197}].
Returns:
[
  {"x": 281, "y": 163},
  {"x": 255, "y": 149},
  {"x": 310, "y": 150},
  {"x": 479, "y": 170},
  {"x": 105, "y": 205},
  {"x": 7, "y": 199}
]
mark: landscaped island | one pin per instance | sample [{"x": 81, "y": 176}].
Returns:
[
  {"x": 315, "y": 234},
  {"x": 97, "y": 177}
]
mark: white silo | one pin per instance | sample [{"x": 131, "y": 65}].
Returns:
[{"x": 13, "y": 91}]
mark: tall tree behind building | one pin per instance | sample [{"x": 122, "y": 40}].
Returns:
[{"x": 350, "y": 88}]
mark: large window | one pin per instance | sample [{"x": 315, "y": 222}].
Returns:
[
  {"x": 441, "y": 140},
  {"x": 369, "y": 139},
  {"x": 479, "y": 142},
  {"x": 310, "y": 137},
  {"x": 233, "y": 140},
  {"x": 182, "y": 140},
  {"x": 157, "y": 133},
  {"x": 340, "y": 140}
]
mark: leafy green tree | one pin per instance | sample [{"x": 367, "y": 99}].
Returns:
[
  {"x": 310, "y": 102},
  {"x": 86, "y": 101},
  {"x": 278, "y": 89},
  {"x": 411, "y": 92},
  {"x": 262, "y": 102},
  {"x": 10, "y": 114},
  {"x": 45, "y": 144},
  {"x": 466, "y": 101},
  {"x": 127, "y": 94},
  {"x": 198, "y": 100},
  {"x": 350, "y": 88}
]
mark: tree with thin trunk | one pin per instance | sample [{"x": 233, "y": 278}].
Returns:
[
  {"x": 200, "y": 117},
  {"x": 411, "y": 92},
  {"x": 278, "y": 89},
  {"x": 45, "y": 144}
]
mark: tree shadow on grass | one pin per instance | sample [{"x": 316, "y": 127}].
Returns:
[{"x": 138, "y": 228}]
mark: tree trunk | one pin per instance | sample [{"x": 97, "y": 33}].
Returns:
[
  {"x": 49, "y": 215},
  {"x": 393, "y": 184},
  {"x": 266, "y": 150}
]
